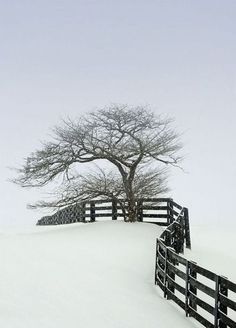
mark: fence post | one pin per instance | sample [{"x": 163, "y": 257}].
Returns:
[
  {"x": 163, "y": 266},
  {"x": 170, "y": 273},
  {"x": 167, "y": 237},
  {"x": 114, "y": 209},
  {"x": 170, "y": 214},
  {"x": 92, "y": 211},
  {"x": 181, "y": 236},
  {"x": 192, "y": 289},
  {"x": 187, "y": 228},
  {"x": 157, "y": 241},
  {"x": 166, "y": 272},
  {"x": 77, "y": 213},
  {"x": 140, "y": 210},
  {"x": 224, "y": 291},
  {"x": 216, "y": 310},
  {"x": 177, "y": 237},
  {"x": 83, "y": 211},
  {"x": 187, "y": 290}
]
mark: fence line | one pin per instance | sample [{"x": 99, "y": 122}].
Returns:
[
  {"x": 185, "y": 286},
  {"x": 161, "y": 211},
  {"x": 202, "y": 294}
]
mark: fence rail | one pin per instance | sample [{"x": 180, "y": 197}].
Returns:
[{"x": 202, "y": 294}]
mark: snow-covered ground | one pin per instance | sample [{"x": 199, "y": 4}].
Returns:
[
  {"x": 214, "y": 247},
  {"x": 90, "y": 275},
  {"x": 93, "y": 275}
]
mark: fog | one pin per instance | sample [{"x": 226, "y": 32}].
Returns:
[{"x": 65, "y": 58}]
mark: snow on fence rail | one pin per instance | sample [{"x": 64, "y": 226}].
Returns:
[
  {"x": 161, "y": 211},
  {"x": 202, "y": 294}
]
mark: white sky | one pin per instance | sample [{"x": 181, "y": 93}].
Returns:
[{"x": 62, "y": 58}]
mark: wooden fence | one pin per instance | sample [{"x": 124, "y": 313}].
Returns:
[
  {"x": 202, "y": 294},
  {"x": 161, "y": 211}
]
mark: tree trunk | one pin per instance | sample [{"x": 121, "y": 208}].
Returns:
[
  {"x": 132, "y": 212},
  {"x": 125, "y": 214}
]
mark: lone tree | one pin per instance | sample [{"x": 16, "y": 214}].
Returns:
[{"x": 135, "y": 142}]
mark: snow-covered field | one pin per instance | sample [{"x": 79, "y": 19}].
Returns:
[
  {"x": 88, "y": 275},
  {"x": 214, "y": 247}
]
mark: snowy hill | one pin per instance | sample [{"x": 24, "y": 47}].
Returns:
[{"x": 83, "y": 275}]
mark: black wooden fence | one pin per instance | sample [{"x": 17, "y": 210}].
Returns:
[
  {"x": 161, "y": 211},
  {"x": 202, "y": 294}
]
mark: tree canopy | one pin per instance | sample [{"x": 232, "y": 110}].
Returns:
[{"x": 137, "y": 143}]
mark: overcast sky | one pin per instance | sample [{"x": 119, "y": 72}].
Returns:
[{"x": 65, "y": 57}]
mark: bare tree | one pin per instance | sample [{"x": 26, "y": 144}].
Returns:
[
  {"x": 131, "y": 139},
  {"x": 108, "y": 185}
]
